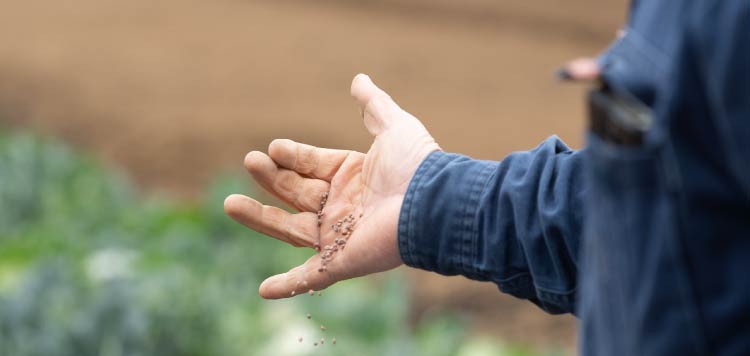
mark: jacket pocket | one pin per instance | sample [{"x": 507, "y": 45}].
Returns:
[{"x": 635, "y": 297}]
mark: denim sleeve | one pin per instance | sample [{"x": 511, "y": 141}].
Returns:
[{"x": 516, "y": 222}]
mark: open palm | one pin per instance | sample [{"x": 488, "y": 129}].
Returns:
[{"x": 355, "y": 233}]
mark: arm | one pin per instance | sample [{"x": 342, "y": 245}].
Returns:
[
  {"x": 518, "y": 219},
  {"x": 515, "y": 223}
]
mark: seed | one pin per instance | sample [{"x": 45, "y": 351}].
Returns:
[
  {"x": 309, "y": 316},
  {"x": 322, "y": 341},
  {"x": 311, "y": 292},
  {"x": 293, "y": 293},
  {"x": 300, "y": 339},
  {"x": 315, "y": 343},
  {"x": 333, "y": 341},
  {"x": 320, "y": 293},
  {"x": 322, "y": 328}
]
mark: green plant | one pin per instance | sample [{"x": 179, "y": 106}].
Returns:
[{"x": 89, "y": 268}]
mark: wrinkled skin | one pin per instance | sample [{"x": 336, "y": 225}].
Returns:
[{"x": 372, "y": 184}]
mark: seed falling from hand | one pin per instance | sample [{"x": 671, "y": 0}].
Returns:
[
  {"x": 300, "y": 340},
  {"x": 322, "y": 341},
  {"x": 315, "y": 343},
  {"x": 320, "y": 293},
  {"x": 311, "y": 292},
  {"x": 322, "y": 328},
  {"x": 323, "y": 201},
  {"x": 309, "y": 316},
  {"x": 333, "y": 341}
]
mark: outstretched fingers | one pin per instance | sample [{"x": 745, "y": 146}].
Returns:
[
  {"x": 316, "y": 162},
  {"x": 295, "y": 229},
  {"x": 304, "y": 194}
]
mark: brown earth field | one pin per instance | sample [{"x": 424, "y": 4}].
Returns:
[{"x": 178, "y": 91}]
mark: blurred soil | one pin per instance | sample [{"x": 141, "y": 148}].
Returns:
[{"x": 177, "y": 91}]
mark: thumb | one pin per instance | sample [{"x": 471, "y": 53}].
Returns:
[
  {"x": 379, "y": 111},
  {"x": 302, "y": 279}
]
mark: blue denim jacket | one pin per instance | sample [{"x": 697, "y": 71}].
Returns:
[{"x": 648, "y": 245}]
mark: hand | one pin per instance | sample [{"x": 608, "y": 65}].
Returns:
[{"x": 356, "y": 234}]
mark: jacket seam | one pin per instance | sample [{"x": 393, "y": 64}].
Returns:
[
  {"x": 407, "y": 224},
  {"x": 488, "y": 172}
]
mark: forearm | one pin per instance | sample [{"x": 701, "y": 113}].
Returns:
[{"x": 516, "y": 222}]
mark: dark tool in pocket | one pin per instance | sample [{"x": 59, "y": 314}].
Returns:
[{"x": 618, "y": 117}]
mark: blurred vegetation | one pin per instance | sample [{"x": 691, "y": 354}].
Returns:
[{"x": 87, "y": 267}]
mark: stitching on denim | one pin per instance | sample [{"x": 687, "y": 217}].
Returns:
[
  {"x": 488, "y": 171},
  {"x": 407, "y": 223},
  {"x": 468, "y": 222},
  {"x": 430, "y": 163},
  {"x": 516, "y": 282}
]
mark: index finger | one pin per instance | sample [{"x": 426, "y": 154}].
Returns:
[{"x": 316, "y": 162}]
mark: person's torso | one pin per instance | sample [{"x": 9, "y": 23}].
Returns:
[{"x": 666, "y": 255}]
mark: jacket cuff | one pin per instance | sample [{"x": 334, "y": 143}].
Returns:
[{"x": 437, "y": 228}]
